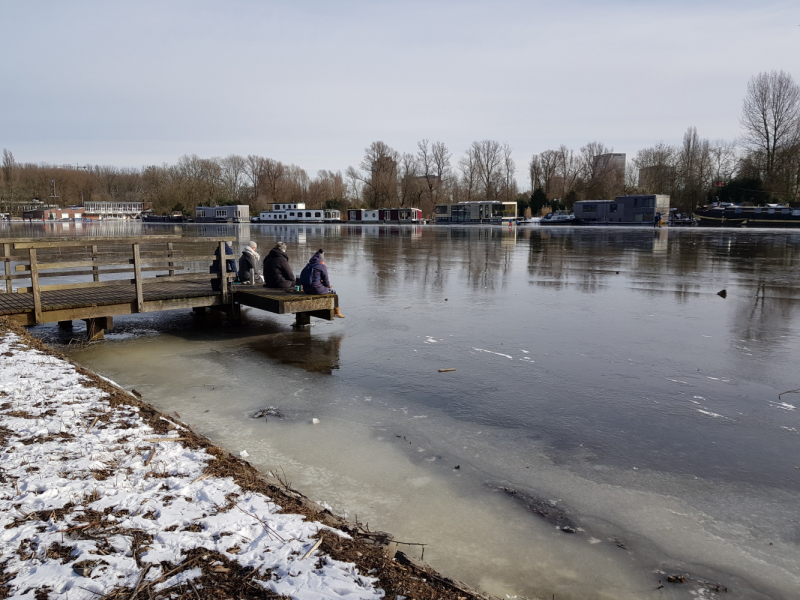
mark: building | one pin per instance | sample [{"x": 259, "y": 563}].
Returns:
[
  {"x": 102, "y": 209},
  {"x": 656, "y": 178},
  {"x": 74, "y": 213},
  {"x": 609, "y": 170},
  {"x": 623, "y": 210},
  {"x": 237, "y": 213}
]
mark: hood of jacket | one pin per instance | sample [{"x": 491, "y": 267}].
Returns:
[
  {"x": 275, "y": 253},
  {"x": 316, "y": 259},
  {"x": 252, "y": 254}
]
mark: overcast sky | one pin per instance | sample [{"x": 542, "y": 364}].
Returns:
[{"x": 313, "y": 83}]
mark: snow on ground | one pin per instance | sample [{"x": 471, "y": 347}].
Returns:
[{"x": 93, "y": 499}]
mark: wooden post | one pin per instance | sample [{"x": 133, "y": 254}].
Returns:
[
  {"x": 96, "y": 328},
  {"x": 7, "y": 257},
  {"x": 137, "y": 274},
  {"x": 95, "y": 270},
  {"x": 37, "y": 295},
  {"x": 223, "y": 272},
  {"x": 171, "y": 264},
  {"x": 302, "y": 319}
]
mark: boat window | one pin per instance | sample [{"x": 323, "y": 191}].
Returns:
[
  {"x": 757, "y": 210},
  {"x": 738, "y": 210},
  {"x": 612, "y": 208},
  {"x": 635, "y": 203},
  {"x": 590, "y": 208},
  {"x": 308, "y": 214},
  {"x": 771, "y": 211},
  {"x": 785, "y": 211},
  {"x": 291, "y": 214},
  {"x": 317, "y": 214},
  {"x": 441, "y": 209},
  {"x": 648, "y": 202}
]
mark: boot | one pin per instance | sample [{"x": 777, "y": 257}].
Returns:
[{"x": 337, "y": 312}]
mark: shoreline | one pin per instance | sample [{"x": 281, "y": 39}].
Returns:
[{"x": 71, "y": 524}]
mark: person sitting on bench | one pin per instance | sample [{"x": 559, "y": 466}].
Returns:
[
  {"x": 277, "y": 272},
  {"x": 314, "y": 279}
]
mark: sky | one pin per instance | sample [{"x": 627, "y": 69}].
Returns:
[{"x": 313, "y": 83}]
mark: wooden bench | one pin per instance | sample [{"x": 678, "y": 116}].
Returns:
[{"x": 302, "y": 305}]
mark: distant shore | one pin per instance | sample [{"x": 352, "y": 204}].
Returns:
[{"x": 103, "y": 494}]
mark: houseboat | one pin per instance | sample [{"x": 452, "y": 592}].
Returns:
[
  {"x": 298, "y": 213},
  {"x": 623, "y": 210},
  {"x": 389, "y": 216},
  {"x": 237, "y": 213},
  {"x": 478, "y": 212},
  {"x": 771, "y": 215}
]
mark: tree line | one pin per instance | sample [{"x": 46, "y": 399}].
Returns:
[{"x": 761, "y": 165}]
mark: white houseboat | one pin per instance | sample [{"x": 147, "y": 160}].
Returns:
[
  {"x": 298, "y": 213},
  {"x": 389, "y": 216}
]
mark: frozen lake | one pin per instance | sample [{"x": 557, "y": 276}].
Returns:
[{"x": 601, "y": 386}]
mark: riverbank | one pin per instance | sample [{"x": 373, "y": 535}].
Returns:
[{"x": 102, "y": 495}]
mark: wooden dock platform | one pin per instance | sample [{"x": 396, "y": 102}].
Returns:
[
  {"x": 98, "y": 300},
  {"x": 303, "y": 306}
]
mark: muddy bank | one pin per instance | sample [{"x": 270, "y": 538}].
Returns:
[{"x": 103, "y": 494}]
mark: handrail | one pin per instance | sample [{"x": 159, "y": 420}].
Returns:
[{"x": 135, "y": 261}]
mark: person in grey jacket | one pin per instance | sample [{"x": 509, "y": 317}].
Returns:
[
  {"x": 277, "y": 272},
  {"x": 249, "y": 264}
]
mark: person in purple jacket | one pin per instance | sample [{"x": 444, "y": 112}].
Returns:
[{"x": 314, "y": 279}]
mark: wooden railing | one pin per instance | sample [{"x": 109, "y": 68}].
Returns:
[{"x": 42, "y": 258}]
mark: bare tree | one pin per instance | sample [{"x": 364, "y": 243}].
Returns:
[
  {"x": 509, "y": 170},
  {"x": 233, "y": 168},
  {"x": 255, "y": 171},
  {"x": 656, "y": 169},
  {"x": 694, "y": 165},
  {"x": 434, "y": 165},
  {"x": 771, "y": 118},
  {"x": 272, "y": 173},
  {"x": 377, "y": 178},
  {"x": 487, "y": 156}
]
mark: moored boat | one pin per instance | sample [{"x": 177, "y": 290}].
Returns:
[
  {"x": 558, "y": 218},
  {"x": 771, "y": 216}
]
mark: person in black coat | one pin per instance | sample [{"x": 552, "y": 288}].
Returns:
[{"x": 277, "y": 272}]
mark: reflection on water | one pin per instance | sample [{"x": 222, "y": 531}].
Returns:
[
  {"x": 315, "y": 354},
  {"x": 597, "y": 370}
]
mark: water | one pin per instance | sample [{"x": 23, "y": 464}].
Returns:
[{"x": 598, "y": 375}]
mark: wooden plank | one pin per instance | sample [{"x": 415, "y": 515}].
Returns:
[
  {"x": 7, "y": 262},
  {"x": 114, "y": 310},
  {"x": 86, "y": 272},
  {"x": 160, "y": 260},
  {"x": 37, "y": 298},
  {"x": 125, "y": 282},
  {"x": 137, "y": 273}
]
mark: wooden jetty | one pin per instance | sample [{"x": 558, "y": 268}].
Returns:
[{"x": 110, "y": 277}]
